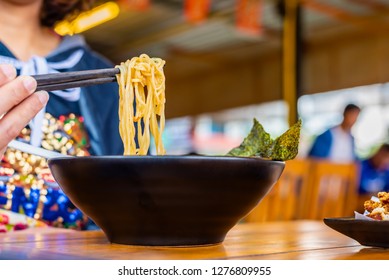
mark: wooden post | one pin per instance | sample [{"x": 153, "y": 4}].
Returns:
[{"x": 291, "y": 58}]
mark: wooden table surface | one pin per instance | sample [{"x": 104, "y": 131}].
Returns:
[{"x": 272, "y": 241}]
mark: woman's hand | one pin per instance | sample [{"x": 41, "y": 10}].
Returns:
[{"x": 18, "y": 104}]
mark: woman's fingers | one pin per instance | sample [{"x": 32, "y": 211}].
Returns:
[
  {"x": 2, "y": 151},
  {"x": 19, "y": 116},
  {"x": 7, "y": 73},
  {"x": 15, "y": 91},
  {"x": 18, "y": 104}
]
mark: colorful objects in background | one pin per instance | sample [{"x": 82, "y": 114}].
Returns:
[
  {"x": 248, "y": 15},
  {"x": 10, "y": 221},
  {"x": 196, "y": 11},
  {"x": 138, "y": 5},
  {"x": 89, "y": 19},
  {"x": 26, "y": 184}
]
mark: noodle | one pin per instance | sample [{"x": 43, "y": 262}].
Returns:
[{"x": 141, "y": 79}]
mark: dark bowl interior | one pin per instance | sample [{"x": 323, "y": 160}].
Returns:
[{"x": 166, "y": 200}]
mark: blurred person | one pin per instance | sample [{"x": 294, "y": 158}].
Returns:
[
  {"x": 18, "y": 103},
  {"x": 374, "y": 172},
  {"x": 29, "y": 43},
  {"x": 337, "y": 143}
]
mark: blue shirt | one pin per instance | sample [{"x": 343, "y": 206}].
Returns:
[
  {"x": 373, "y": 180},
  {"x": 321, "y": 147}
]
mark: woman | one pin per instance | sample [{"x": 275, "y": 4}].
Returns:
[{"x": 28, "y": 42}]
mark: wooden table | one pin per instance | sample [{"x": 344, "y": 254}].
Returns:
[{"x": 272, "y": 241}]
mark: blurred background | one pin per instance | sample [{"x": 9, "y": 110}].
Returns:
[{"x": 228, "y": 61}]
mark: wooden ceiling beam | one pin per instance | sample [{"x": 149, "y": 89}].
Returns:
[
  {"x": 372, "y": 4},
  {"x": 372, "y": 23},
  {"x": 177, "y": 27},
  {"x": 329, "y": 10},
  {"x": 160, "y": 34}
]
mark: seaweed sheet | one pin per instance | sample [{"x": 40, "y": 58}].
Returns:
[{"x": 259, "y": 143}]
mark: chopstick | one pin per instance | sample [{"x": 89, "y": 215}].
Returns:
[
  {"x": 66, "y": 80},
  {"x": 27, "y": 148}
]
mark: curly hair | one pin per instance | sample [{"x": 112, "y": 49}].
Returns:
[{"x": 57, "y": 10}]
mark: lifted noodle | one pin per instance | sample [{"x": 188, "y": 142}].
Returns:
[{"x": 141, "y": 79}]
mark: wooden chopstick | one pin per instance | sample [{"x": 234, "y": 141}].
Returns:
[
  {"x": 60, "y": 81},
  {"x": 75, "y": 84},
  {"x": 27, "y": 148}
]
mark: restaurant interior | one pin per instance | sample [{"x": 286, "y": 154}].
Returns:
[
  {"x": 230, "y": 61},
  {"x": 220, "y": 75}
]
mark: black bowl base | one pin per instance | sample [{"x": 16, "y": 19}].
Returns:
[{"x": 167, "y": 242}]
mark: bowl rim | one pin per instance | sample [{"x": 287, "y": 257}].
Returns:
[{"x": 167, "y": 157}]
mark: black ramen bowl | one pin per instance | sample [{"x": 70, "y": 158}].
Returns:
[{"x": 165, "y": 200}]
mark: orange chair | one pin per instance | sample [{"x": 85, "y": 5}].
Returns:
[
  {"x": 332, "y": 191},
  {"x": 283, "y": 202}
]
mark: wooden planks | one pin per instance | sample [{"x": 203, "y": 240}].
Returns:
[{"x": 275, "y": 240}]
